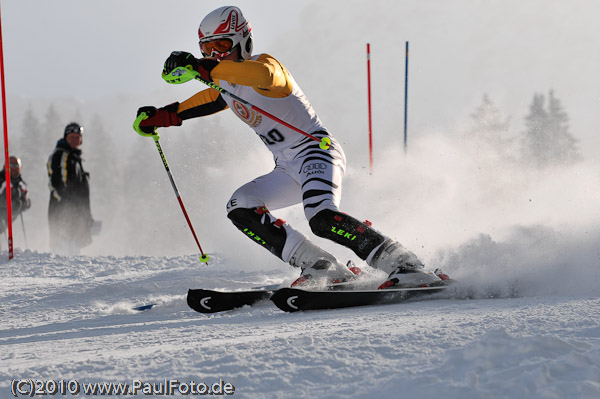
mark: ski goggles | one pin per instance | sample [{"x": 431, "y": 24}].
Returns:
[
  {"x": 74, "y": 129},
  {"x": 222, "y": 45}
]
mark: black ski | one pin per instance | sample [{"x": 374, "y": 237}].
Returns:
[
  {"x": 210, "y": 301},
  {"x": 293, "y": 299}
]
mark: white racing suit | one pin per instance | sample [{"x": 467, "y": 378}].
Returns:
[{"x": 304, "y": 173}]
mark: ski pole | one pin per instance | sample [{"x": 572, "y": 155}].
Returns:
[
  {"x": 177, "y": 76},
  {"x": 24, "y": 233},
  {"x": 203, "y": 258}
]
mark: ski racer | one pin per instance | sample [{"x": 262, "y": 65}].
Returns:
[{"x": 304, "y": 173}]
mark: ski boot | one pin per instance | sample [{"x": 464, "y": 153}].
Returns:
[
  {"x": 320, "y": 269},
  {"x": 404, "y": 268}
]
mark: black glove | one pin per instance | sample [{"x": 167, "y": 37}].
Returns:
[
  {"x": 182, "y": 59},
  {"x": 205, "y": 67},
  {"x": 179, "y": 59},
  {"x": 161, "y": 117}
]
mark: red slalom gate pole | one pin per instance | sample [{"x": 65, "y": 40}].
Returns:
[
  {"x": 6, "y": 153},
  {"x": 369, "y": 102}
]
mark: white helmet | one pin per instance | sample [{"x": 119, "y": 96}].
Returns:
[{"x": 224, "y": 29}]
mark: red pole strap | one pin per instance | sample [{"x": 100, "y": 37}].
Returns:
[{"x": 6, "y": 153}]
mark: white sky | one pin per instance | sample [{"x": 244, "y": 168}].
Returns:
[
  {"x": 460, "y": 49},
  {"x": 86, "y": 49}
]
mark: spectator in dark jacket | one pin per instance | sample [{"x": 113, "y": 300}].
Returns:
[
  {"x": 18, "y": 193},
  {"x": 69, "y": 215}
]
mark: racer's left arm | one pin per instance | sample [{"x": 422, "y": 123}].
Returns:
[{"x": 265, "y": 74}]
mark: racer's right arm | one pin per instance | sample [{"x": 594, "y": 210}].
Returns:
[{"x": 204, "y": 103}]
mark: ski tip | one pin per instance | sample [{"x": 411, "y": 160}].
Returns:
[{"x": 144, "y": 307}]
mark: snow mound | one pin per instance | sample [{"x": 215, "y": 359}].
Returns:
[{"x": 75, "y": 318}]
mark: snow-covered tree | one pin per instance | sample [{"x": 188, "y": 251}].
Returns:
[
  {"x": 490, "y": 131},
  {"x": 29, "y": 147},
  {"x": 54, "y": 125},
  {"x": 53, "y": 128},
  {"x": 566, "y": 150},
  {"x": 547, "y": 140},
  {"x": 489, "y": 119}
]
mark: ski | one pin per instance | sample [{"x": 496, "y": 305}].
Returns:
[
  {"x": 294, "y": 299},
  {"x": 143, "y": 308},
  {"x": 212, "y": 301}
]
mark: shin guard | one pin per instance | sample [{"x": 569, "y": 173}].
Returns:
[
  {"x": 347, "y": 231},
  {"x": 260, "y": 227}
]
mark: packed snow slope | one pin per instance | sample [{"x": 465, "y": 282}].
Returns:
[
  {"x": 523, "y": 245},
  {"x": 527, "y": 330}
]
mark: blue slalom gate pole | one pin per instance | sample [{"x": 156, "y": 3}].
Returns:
[{"x": 406, "y": 99}]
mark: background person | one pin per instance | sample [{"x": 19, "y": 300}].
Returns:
[
  {"x": 19, "y": 194},
  {"x": 69, "y": 216}
]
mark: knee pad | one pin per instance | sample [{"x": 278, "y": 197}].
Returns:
[
  {"x": 347, "y": 231},
  {"x": 260, "y": 227}
]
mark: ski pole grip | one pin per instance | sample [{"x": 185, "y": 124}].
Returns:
[
  {"x": 136, "y": 126},
  {"x": 180, "y": 75}
]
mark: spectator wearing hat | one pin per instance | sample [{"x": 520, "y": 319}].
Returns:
[
  {"x": 18, "y": 193},
  {"x": 69, "y": 215}
]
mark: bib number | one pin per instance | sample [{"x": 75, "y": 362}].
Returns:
[{"x": 273, "y": 137}]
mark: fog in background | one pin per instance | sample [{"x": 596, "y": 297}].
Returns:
[{"x": 97, "y": 62}]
